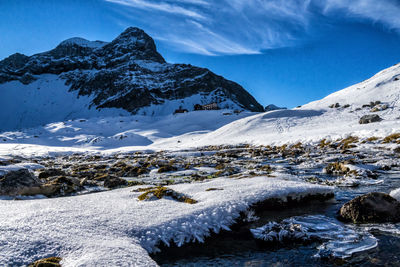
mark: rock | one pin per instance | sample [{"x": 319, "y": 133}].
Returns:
[
  {"x": 59, "y": 186},
  {"x": 397, "y": 150},
  {"x": 379, "y": 107},
  {"x": 167, "y": 168},
  {"x": 336, "y": 168},
  {"x": 272, "y": 107},
  {"x": 336, "y": 105},
  {"x": 369, "y": 119},
  {"x": 17, "y": 182},
  {"x": 47, "y": 262},
  {"x": 371, "y": 208},
  {"x": 112, "y": 182},
  {"x": 50, "y": 173}
]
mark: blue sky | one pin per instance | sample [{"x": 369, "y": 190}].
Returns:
[{"x": 286, "y": 52}]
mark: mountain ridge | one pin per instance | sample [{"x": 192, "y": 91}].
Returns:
[{"x": 127, "y": 73}]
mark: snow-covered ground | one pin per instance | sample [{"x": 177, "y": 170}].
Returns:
[
  {"x": 309, "y": 123},
  {"x": 114, "y": 228},
  {"x": 44, "y": 100}
]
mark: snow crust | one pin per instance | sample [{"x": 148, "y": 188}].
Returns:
[
  {"x": 396, "y": 194},
  {"x": 114, "y": 228}
]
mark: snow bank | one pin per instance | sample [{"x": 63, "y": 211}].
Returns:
[
  {"x": 396, "y": 194},
  {"x": 114, "y": 228},
  {"x": 19, "y": 166}
]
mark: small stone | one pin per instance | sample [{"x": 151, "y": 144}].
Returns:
[{"x": 371, "y": 208}]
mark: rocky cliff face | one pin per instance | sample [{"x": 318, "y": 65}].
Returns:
[{"x": 126, "y": 73}]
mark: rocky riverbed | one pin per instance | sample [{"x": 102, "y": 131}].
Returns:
[{"x": 353, "y": 166}]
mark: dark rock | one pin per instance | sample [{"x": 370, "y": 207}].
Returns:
[
  {"x": 13, "y": 63},
  {"x": 50, "y": 173},
  {"x": 371, "y": 208},
  {"x": 397, "y": 150},
  {"x": 16, "y": 182},
  {"x": 369, "y": 119},
  {"x": 113, "y": 182},
  {"x": 167, "y": 168}
]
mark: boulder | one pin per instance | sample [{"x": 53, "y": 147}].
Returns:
[
  {"x": 112, "y": 182},
  {"x": 371, "y": 208},
  {"x": 17, "y": 182},
  {"x": 59, "y": 186},
  {"x": 369, "y": 119},
  {"x": 50, "y": 173}
]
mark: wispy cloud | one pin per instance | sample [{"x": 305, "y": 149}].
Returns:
[
  {"x": 161, "y": 6},
  {"x": 246, "y": 26},
  {"x": 386, "y": 12}
]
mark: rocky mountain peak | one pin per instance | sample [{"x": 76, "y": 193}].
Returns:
[
  {"x": 127, "y": 73},
  {"x": 135, "y": 42},
  {"x": 13, "y": 62}
]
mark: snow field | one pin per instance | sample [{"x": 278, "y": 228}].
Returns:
[{"x": 114, "y": 228}]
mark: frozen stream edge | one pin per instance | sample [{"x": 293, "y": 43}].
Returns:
[{"x": 115, "y": 228}]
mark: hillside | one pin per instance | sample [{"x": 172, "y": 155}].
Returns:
[{"x": 335, "y": 116}]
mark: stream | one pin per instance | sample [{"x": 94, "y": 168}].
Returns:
[{"x": 367, "y": 245}]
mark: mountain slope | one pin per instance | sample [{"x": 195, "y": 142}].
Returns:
[
  {"x": 335, "y": 116},
  {"x": 313, "y": 122},
  {"x": 383, "y": 87},
  {"x": 127, "y": 73}
]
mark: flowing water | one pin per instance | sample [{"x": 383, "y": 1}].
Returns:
[{"x": 339, "y": 244}]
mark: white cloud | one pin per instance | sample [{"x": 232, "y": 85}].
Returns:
[
  {"x": 163, "y": 6},
  {"x": 386, "y": 12},
  {"x": 246, "y": 26}
]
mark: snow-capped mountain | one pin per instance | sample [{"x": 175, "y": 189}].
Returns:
[
  {"x": 335, "y": 116},
  {"x": 383, "y": 87},
  {"x": 81, "y": 78}
]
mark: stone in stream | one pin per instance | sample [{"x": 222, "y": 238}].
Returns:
[{"x": 371, "y": 208}]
